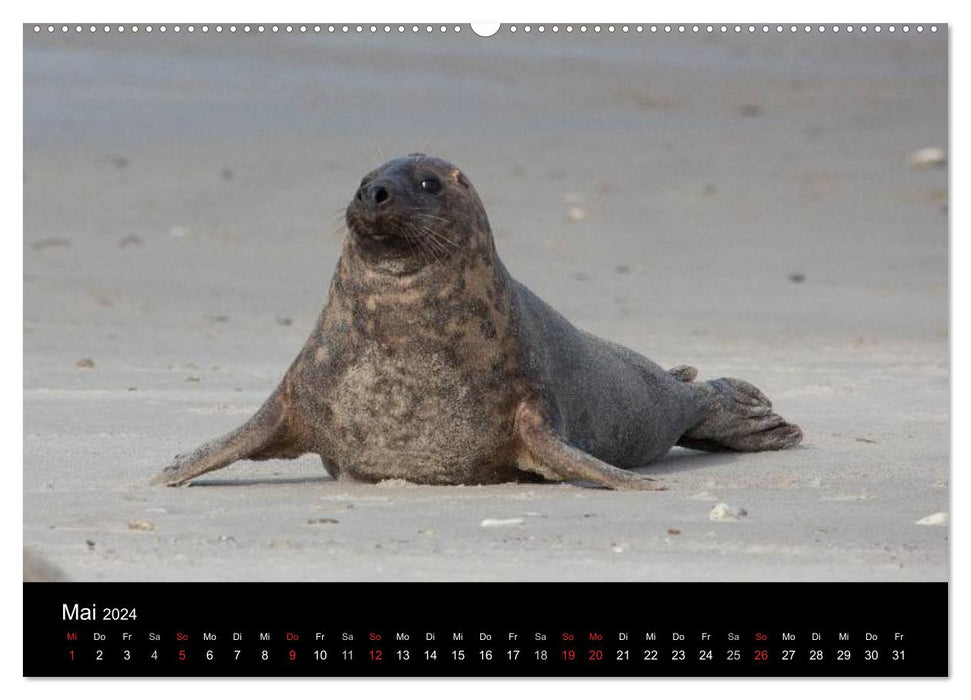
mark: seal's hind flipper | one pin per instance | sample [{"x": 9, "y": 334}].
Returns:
[
  {"x": 545, "y": 454},
  {"x": 739, "y": 418},
  {"x": 683, "y": 373},
  {"x": 264, "y": 436}
]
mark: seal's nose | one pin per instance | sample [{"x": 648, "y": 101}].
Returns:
[{"x": 376, "y": 193}]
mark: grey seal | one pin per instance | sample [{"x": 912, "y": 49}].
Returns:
[{"x": 430, "y": 363}]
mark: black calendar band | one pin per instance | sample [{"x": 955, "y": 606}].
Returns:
[{"x": 486, "y": 629}]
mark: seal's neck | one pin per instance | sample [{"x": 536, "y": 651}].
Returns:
[
  {"x": 459, "y": 309},
  {"x": 434, "y": 270}
]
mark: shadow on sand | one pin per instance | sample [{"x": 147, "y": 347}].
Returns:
[{"x": 676, "y": 461}]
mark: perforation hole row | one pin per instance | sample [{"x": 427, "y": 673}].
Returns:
[{"x": 513, "y": 28}]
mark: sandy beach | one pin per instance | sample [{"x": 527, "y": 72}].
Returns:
[{"x": 743, "y": 204}]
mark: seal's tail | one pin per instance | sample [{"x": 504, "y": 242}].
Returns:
[{"x": 739, "y": 418}]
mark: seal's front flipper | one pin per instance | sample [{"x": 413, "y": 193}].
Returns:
[
  {"x": 739, "y": 418},
  {"x": 264, "y": 436},
  {"x": 545, "y": 454}
]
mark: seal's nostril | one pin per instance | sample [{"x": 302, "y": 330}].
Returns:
[{"x": 374, "y": 194}]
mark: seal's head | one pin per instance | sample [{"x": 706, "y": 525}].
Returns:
[{"x": 415, "y": 212}]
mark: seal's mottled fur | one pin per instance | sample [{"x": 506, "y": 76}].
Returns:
[{"x": 430, "y": 363}]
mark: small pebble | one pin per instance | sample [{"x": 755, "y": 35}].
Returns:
[
  {"x": 622, "y": 269},
  {"x": 508, "y": 522},
  {"x": 284, "y": 321},
  {"x": 797, "y": 277},
  {"x": 86, "y": 363},
  {"x": 673, "y": 531},
  {"x": 322, "y": 521},
  {"x": 140, "y": 525},
  {"x": 129, "y": 240},
  {"x": 576, "y": 213},
  {"x": 934, "y": 519},
  {"x": 51, "y": 243},
  {"x": 726, "y": 513}
]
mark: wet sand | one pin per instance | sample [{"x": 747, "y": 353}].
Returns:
[{"x": 744, "y": 205}]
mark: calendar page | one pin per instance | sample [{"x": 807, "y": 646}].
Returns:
[{"x": 547, "y": 349}]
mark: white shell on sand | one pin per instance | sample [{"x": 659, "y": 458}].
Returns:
[
  {"x": 928, "y": 158},
  {"x": 576, "y": 213},
  {"x": 140, "y": 525},
  {"x": 725, "y": 512},
  {"x": 492, "y": 522},
  {"x": 934, "y": 519}
]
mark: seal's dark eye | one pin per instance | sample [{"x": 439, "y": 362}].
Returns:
[{"x": 431, "y": 185}]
